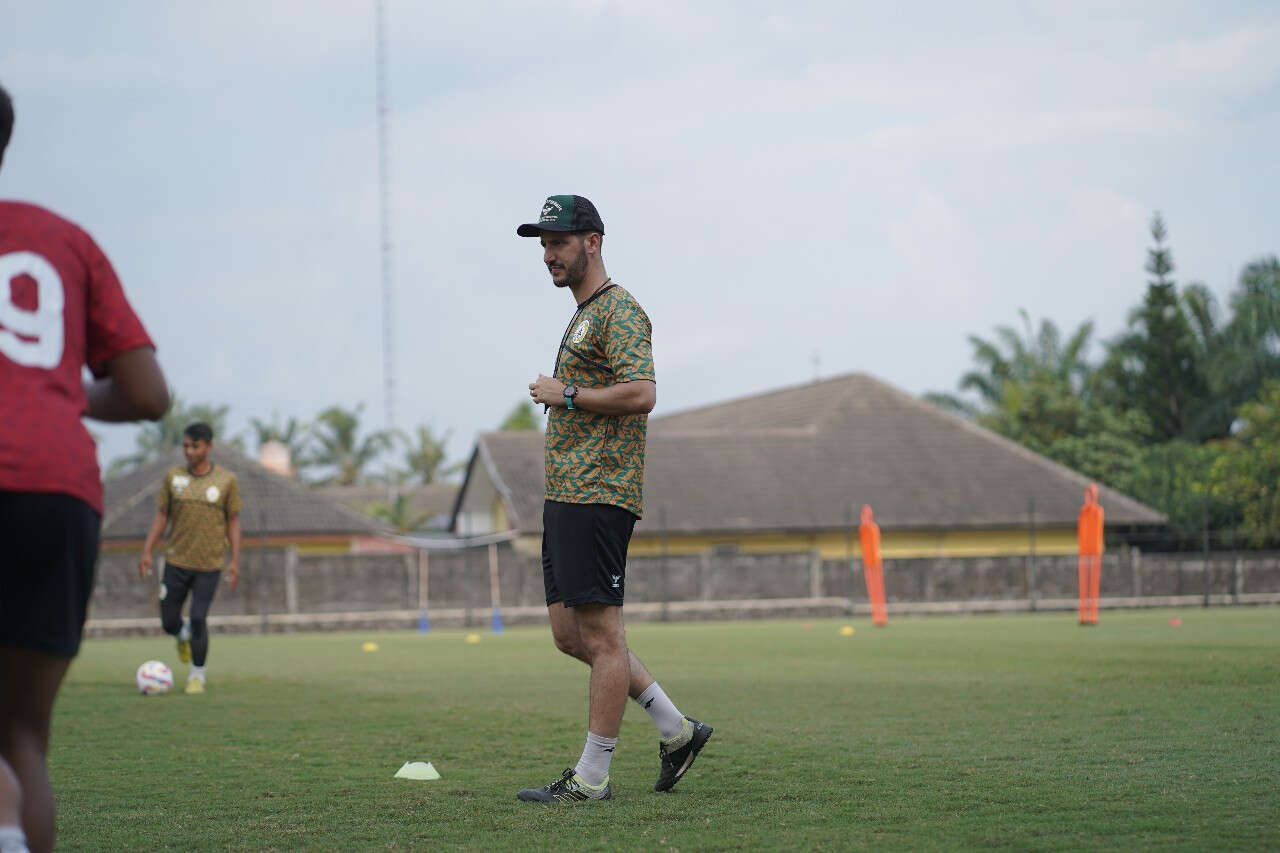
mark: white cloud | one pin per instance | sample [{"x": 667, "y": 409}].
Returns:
[{"x": 869, "y": 181}]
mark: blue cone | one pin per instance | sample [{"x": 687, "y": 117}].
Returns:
[
  {"x": 497, "y": 620},
  {"x": 423, "y": 625}
]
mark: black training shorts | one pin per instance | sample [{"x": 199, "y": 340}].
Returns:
[
  {"x": 584, "y": 552},
  {"x": 48, "y": 550}
]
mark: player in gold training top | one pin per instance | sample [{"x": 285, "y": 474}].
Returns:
[
  {"x": 600, "y": 394},
  {"x": 202, "y": 500}
]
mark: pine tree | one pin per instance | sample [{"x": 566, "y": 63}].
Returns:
[{"x": 1160, "y": 365}]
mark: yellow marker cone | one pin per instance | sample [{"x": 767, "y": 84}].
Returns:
[
  {"x": 846, "y": 631},
  {"x": 419, "y": 770},
  {"x": 370, "y": 647},
  {"x": 473, "y": 638}
]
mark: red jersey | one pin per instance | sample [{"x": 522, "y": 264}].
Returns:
[{"x": 61, "y": 308}]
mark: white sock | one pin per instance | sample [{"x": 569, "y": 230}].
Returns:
[
  {"x": 184, "y": 633},
  {"x": 593, "y": 766},
  {"x": 665, "y": 715},
  {"x": 197, "y": 672},
  {"x": 12, "y": 840}
]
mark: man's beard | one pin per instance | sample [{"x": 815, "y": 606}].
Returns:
[{"x": 574, "y": 273}]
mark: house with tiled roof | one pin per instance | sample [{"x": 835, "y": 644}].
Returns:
[
  {"x": 788, "y": 470},
  {"x": 278, "y": 511}
]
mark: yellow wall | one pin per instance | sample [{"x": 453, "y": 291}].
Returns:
[
  {"x": 313, "y": 546},
  {"x": 837, "y": 546}
]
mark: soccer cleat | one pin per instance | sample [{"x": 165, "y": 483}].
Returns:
[
  {"x": 676, "y": 762},
  {"x": 567, "y": 789},
  {"x": 184, "y": 642},
  {"x": 194, "y": 685}
]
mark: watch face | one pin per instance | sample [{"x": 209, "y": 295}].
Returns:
[{"x": 571, "y": 390}]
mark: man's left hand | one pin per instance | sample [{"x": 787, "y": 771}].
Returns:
[
  {"x": 233, "y": 574},
  {"x": 547, "y": 390}
]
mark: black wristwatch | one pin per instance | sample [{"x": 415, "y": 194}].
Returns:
[{"x": 570, "y": 391}]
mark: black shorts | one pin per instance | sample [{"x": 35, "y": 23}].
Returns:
[
  {"x": 179, "y": 581},
  {"x": 584, "y": 552},
  {"x": 48, "y": 551}
]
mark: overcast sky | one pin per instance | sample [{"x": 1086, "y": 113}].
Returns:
[{"x": 869, "y": 182}]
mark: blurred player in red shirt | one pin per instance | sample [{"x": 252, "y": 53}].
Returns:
[{"x": 61, "y": 309}]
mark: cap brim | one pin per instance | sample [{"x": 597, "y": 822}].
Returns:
[{"x": 531, "y": 230}]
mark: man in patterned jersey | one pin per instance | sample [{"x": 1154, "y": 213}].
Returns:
[
  {"x": 203, "y": 501},
  {"x": 599, "y": 397},
  {"x": 61, "y": 309}
]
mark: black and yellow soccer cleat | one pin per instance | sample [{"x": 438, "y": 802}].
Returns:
[
  {"x": 678, "y": 753},
  {"x": 567, "y": 789}
]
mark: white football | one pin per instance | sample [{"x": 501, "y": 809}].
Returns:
[{"x": 153, "y": 677}]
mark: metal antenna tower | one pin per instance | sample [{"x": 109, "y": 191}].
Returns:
[{"x": 384, "y": 204}]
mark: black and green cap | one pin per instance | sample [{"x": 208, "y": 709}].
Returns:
[{"x": 564, "y": 213}]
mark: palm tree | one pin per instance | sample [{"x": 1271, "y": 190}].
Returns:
[
  {"x": 399, "y": 513},
  {"x": 1031, "y": 384},
  {"x": 1016, "y": 357},
  {"x": 339, "y": 448},
  {"x": 425, "y": 455}
]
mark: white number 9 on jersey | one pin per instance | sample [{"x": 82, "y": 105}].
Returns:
[{"x": 31, "y": 338}]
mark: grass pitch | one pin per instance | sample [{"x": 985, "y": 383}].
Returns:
[{"x": 1020, "y": 731}]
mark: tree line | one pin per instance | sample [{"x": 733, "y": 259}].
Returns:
[
  {"x": 331, "y": 449},
  {"x": 1182, "y": 410}
]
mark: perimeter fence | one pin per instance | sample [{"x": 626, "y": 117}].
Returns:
[{"x": 493, "y": 584}]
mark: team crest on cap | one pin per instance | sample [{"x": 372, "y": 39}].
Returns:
[
  {"x": 551, "y": 211},
  {"x": 212, "y": 493},
  {"x": 580, "y": 331}
]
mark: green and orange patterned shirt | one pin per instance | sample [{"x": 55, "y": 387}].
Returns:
[{"x": 593, "y": 458}]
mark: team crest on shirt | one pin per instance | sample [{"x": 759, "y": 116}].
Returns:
[
  {"x": 212, "y": 494},
  {"x": 180, "y": 482},
  {"x": 580, "y": 331}
]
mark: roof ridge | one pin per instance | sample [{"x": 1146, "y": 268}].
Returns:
[
  {"x": 752, "y": 432},
  {"x": 239, "y": 460},
  {"x": 843, "y": 377},
  {"x": 1009, "y": 444}
]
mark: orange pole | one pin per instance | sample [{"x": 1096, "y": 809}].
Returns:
[
  {"x": 1082, "y": 570},
  {"x": 873, "y": 567},
  {"x": 1095, "y": 574},
  {"x": 1089, "y": 530}
]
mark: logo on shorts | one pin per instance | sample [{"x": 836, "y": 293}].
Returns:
[
  {"x": 617, "y": 579},
  {"x": 212, "y": 494},
  {"x": 580, "y": 331},
  {"x": 180, "y": 482}
]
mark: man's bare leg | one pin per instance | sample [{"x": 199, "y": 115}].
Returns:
[
  {"x": 601, "y": 631},
  {"x": 568, "y": 638},
  {"x": 681, "y": 737}
]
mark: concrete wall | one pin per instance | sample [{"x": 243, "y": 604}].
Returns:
[{"x": 277, "y": 582}]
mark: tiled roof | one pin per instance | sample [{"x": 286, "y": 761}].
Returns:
[
  {"x": 806, "y": 457},
  {"x": 273, "y": 505},
  {"x": 513, "y": 459}
]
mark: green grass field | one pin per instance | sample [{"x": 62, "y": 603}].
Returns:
[{"x": 1019, "y": 731}]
